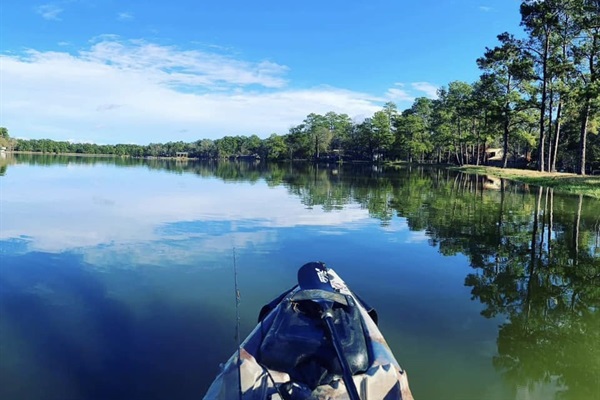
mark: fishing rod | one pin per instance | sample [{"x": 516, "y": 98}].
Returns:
[
  {"x": 237, "y": 334},
  {"x": 237, "y": 325}
]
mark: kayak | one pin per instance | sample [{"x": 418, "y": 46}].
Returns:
[{"x": 315, "y": 341}]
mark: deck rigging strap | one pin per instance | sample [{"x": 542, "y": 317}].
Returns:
[{"x": 314, "y": 276}]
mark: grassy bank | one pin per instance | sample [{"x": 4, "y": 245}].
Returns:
[{"x": 562, "y": 182}]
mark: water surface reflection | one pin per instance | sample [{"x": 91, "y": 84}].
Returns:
[{"x": 116, "y": 277}]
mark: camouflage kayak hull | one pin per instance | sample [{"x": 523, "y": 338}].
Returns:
[{"x": 289, "y": 354}]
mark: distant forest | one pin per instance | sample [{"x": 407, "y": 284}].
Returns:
[{"x": 537, "y": 102}]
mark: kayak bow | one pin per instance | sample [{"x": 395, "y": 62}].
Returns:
[{"x": 315, "y": 341}]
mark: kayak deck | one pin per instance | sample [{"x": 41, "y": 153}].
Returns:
[{"x": 288, "y": 355}]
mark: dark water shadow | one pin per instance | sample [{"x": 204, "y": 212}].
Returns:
[{"x": 87, "y": 345}]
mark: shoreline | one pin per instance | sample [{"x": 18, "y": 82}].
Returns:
[
  {"x": 569, "y": 183},
  {"x": 587, "y": 185}
]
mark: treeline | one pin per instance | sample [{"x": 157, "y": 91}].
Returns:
[
  {"x": 5, "y": 140},
  {"x": 228, "y": 146},
  {"x": 537, "y": 102},
  {"x": 543, "y": 91}
]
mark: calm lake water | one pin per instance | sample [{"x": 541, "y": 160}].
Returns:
[{"x": 116, "y": 276}]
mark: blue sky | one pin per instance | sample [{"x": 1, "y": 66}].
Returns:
[{"x": 109, "y": 71}]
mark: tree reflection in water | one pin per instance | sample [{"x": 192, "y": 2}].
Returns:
[
  {"x": 549, "y": 291},
  {"x": 534, "y": 253}
]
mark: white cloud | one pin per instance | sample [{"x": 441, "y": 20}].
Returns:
[
  {"x": 168, "y": 65},
  {"x": 108, "y": 210},
  {"x": 417, "y": 237},
  {"x": 400, "y": 92},
  {"x": 429, "y": 89},
  {"x": 142, "y": 92},
  {"x": 49, "y": 11},
  {"x": 485, "y": 8},
  {"x": 108, "y": 107},
  {"x": 124, "y": 16}
]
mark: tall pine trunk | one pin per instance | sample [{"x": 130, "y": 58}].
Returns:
[
  {"x": 550, "y": 146},
  {"x": 585, "y": 116},
  {"x": 543, "y": 104},
  {"x": 505, "y": 141},
  {"x": 556, "y": 134}
]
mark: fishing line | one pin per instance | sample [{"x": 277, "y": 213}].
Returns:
[
  {"x": 237, "y": 324},
  {"x": 237, "y": 332}
]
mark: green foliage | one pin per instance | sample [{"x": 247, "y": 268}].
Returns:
[
  {"x": 414, "y": 131},
  {"x": 538, "y": 98},
  {"x": 341, "y": 127},
  {"x": 275, "y": 147},
  {"x": 318, "y": 129},
  {"x": 5, "y": 139},
  {"x": 381, "y": 132}
]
